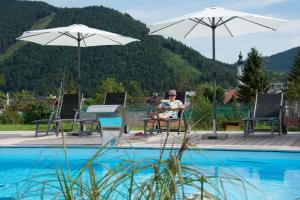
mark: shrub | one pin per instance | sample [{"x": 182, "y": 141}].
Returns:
[
  {"x": 108, "y": 85},
  {"x": 36, "y": 111},
  {"x": 202, "y": 110},
  {"x": 10, "y": 116}
]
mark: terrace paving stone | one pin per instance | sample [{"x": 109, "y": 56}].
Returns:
[{"x": 235, "y": 140}]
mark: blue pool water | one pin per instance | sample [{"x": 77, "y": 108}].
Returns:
[{"x": 266, "y": 175}]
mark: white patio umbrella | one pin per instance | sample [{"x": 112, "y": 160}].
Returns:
[
  {"x": 76, "y": 35},
  {"x": 215, "y": 21}
]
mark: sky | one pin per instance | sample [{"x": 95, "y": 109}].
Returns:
[{"x": 227, "y": 48}]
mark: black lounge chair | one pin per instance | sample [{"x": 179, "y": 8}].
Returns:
[
  {"x": 112, "y": 98},
  {"x": 67, "y": 112},
  {"x": 157, "y": 124},
  {"x": 268, "y": 108}
]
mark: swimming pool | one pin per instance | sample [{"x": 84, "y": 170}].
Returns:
[{"x": 268, "y": 175}]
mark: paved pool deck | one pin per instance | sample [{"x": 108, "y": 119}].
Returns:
[{"x": 235, "y": 140}]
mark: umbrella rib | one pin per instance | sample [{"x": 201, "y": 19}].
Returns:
[
  {"x": 191, "y": 29},
  {"x": 223, "y": 22},
  {"x": 53, "y": 39},
  {"x": 83, "y": 39},
  {"x": 32, "y": 35},
  {"x": 87, "y": 35},
  {"x": 84, "y": 36},
  {"x": 111, "y": 39},
  {"x": 201, "y": 21},
  {"x": 211, "y": 25},
  {"x": 69, "y": 35},
  {"x": 257, "y": 23},
  {"x": 228, "y": 29},
  {"x": 220, "y": 19},
  {"x": 61, "y": 34},
  {"x": 167, "y": 26}
]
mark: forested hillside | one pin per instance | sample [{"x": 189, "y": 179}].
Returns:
[
  {"x": 154, "y": 62},
  {"x": 15, "y": 17},
  {"x": 283, "y": 61}
]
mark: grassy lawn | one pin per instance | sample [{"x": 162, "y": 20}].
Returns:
[
  {"x": 28, "y": 127},
  {"x": 17, "y": 127},
  {"x": 67, "y": 127},
  {"x": 42, "y": 127}
]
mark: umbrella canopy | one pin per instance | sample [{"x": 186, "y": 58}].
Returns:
[
  {"x": 225, "y": 22},
  {"x": 215, "y": 21},
  {"x": 76, "y": 35}
]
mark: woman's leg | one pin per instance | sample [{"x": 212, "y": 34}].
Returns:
[{"x": 163, "y": 116}]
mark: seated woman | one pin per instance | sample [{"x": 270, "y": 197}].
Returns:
[{"x": 169, "y": 108}]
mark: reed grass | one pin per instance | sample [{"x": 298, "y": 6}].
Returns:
[{"x": 167, "y": 179}]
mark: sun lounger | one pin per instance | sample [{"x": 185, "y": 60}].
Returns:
[
  {"x": 268, "y": 108},
  {"x": 67, "y": 112}
]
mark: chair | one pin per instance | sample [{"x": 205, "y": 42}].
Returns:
[
  {"x": 68, "y": 111},
  {"x": 268, "y": 108},
  {"x": 182, "y": 96},
  {"x": 181, "y": 115},
  {"x": 115, "y": 98}
]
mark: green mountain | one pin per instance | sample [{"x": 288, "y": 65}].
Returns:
[
  {"x": 156, "y": 63},
  {"x": 283, "y": 61}
]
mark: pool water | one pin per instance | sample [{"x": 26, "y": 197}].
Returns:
[{"x": 266, "y": 175}]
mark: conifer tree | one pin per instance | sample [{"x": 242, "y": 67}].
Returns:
[
  {"x": 254, "y": 77},
  {"x": 293, "y": 92},
  {"x": 70, "y": 85},
  {"x": 135, "y": 93}
]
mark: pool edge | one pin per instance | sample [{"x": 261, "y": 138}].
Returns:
[{"x": 291, "y": 150}]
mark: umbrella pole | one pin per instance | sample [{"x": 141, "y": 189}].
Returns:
[
  {"x": 214, "y": 75},
  {"x": 78, "y": 79}
]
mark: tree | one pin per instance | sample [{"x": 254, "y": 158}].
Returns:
[
  {"x": 108, "y": 85},
  {"x": 22, "y": 99},
  {"x": 157, "y": 64},
  {"x": 70, "y": 85},
  {"x": 293, "y": 92},
  {"x": 3, "y": 99},
  {"x": 35, "y": 111},
  {"x": 254, "y": 78},
  {"x": 206, "y": 90},
  {"x": 135, "y": 93},
  {"x": 185, "y": 79},
  {"x": 202, "y": 107},
  {"x": 2, "y": 80}
]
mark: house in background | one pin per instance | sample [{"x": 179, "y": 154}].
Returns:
[
  {"x": 232, "y": 94},
  {"x": 229, "y": 96},
  {"x": 277, "y": 87}
]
